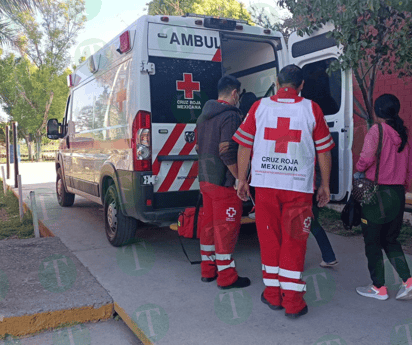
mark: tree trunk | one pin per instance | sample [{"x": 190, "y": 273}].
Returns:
[
  {"x": 28, "y": 144},
  {"x": 38, "y": 148}
]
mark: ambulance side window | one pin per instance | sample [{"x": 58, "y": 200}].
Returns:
[
  {"x": 322, "y": 88},
  {"x": 82, "y": 114}
]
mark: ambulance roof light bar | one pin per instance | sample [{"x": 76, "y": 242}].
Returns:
[{"x": 242, "y": 21}]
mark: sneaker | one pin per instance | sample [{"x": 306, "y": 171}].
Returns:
[
  {"x": 271, "y": 306},
  {"x": 328, "y": 264},
  {"x": 295, "y": 316},
  {"x": 373, "y": 291},
  {"x": 241, "y": 282},
  {"x": 405, "y": 290},
  {"x": 208, "y": 280}
]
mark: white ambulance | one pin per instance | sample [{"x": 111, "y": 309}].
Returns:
[{"x": 128, "y": 134}]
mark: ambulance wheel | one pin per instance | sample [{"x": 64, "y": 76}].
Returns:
[
  {"x": 119, "y": 228},
  {"x": 64, "y": 198}
]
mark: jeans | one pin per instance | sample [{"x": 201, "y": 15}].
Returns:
[{"x": 320, "y": 235}]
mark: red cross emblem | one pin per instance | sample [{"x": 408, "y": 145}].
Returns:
[
  {"x": 231, "y": 212},
  {"x": 283, "y": 135},
  {"x": 188, "y": 85}
]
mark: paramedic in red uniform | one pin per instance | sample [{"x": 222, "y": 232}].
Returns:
[
  {"x": 222, "y": 207},
  {"x": 285, "y": 132}
]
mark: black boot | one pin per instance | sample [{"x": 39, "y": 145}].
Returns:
[
  {"x": 271, "y": 306},
  {"x": 295, "y": 316},
  {"x": 208, "y": 280},
  {"x": 241, "y": 282}
]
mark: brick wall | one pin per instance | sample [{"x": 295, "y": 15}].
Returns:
[{"x": 401, "y": 88}]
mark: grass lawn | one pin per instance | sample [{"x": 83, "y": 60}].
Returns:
[
  {"x": 10, "y": 226},
  {"x": 330, "y": 221}
]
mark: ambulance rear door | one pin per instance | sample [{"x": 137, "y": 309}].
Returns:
[
  {"x": 334, "y": 94},
  {"x": 187, "y": 69}
]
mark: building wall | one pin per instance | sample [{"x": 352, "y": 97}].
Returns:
[{"x": 401, "y": 88}]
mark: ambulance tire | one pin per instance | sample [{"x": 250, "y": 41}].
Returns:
[
  {"x": 119, "y": 228},
  {"x": 65, "y": 199}
]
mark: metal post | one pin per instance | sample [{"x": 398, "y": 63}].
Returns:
[
  {"x": 34, "y": 213},
  {"x": 8, "y": 151},
  {"x": 4, "y": 180},
  {"x": 20, "y": 198},
  {"x": 16, "y": 161}
]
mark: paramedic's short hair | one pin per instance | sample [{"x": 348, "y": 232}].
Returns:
[
  {"x": 227, "y": 84},
  {"x": 291, "y": 74}
]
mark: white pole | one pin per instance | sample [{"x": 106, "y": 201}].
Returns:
[
  {"x": 34, "y": 213},
  {"x": 20, "y": 199},
  {"x": 4, "y": 179}
]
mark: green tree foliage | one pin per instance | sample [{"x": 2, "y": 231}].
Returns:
[
  {"x": 218, "y": 8},
  {"x": 7, "y": 7},
  {"x": 375, "y": 35},
  {"x": 271, "y": 17},
  {"x": 31, "y": 95},
  {"x": 46, "y": 41},
  {"x": 33, "y": 85},
  {"x": 170, "y": 7}
]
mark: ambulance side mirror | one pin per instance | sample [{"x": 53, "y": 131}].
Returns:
[{"x": 54, "y": 129}]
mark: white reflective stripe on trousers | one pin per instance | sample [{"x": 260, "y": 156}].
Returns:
[
  {"x": 207, "y": 248},
  {"x": 293, "y": 286},
  {"x": 290, "y": 274},
  {"x": 222, "y": 257},
  {"x": 270, "y": 269},
  {"x": 208, "y": 257},
  {"x": 271, "y": 282},
  {"x": 224, "y": 267}
]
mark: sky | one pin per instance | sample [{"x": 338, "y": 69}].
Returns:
[{"x": 107, "y": 18}]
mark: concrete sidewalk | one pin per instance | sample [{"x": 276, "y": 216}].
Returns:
[
  {"x": 43, "y": 285},
  {"x": 160, "y": 295}
]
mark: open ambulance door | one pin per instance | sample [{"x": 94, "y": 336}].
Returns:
[
  {"x": 334, "y": 95},
  {"x": 188, "y": 67}
]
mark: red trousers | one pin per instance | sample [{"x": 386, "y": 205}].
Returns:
[
  {"x": 222, "y": 211},
  {"x": 283, "y": 221}
]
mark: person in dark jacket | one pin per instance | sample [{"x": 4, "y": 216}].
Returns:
[{"x": 217, "y": 175}]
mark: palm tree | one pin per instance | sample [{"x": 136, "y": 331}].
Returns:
[{"x": 7, "y": 7}]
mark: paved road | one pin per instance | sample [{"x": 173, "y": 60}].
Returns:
[{"x": 155, "y": 285}]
